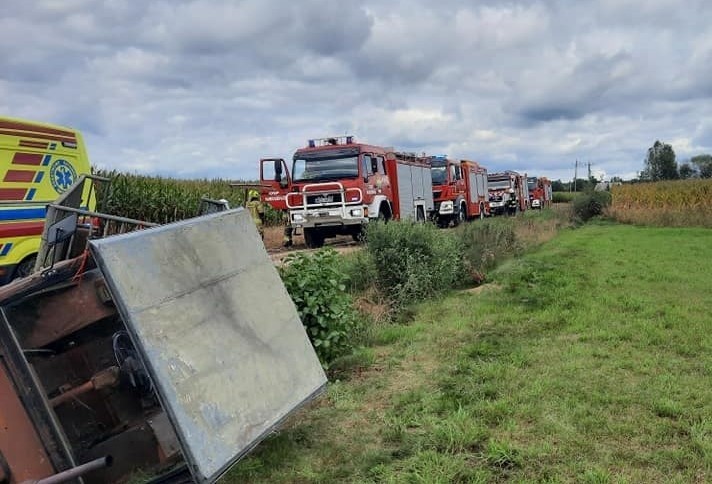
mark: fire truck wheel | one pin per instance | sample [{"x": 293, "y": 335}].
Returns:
[
  {"x": 384, "y": 213},
  {"x": 461, "y": 215},
  {"x": 313, "y": 239}
]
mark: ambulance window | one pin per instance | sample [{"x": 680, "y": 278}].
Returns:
[{"x": 381, "y": 165}]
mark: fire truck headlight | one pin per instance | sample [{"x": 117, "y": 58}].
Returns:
[
  {"x": 357, "y": 212},
  {"x": 297, "y": 217},
  {"x": 446, "y": 207}
]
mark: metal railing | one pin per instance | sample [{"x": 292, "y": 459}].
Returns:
[{"x": 69, "y": 224}]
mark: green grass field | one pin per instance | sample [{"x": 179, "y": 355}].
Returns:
[{"x": 586, "y": 360}]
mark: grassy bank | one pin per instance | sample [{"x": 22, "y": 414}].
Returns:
[{"x": 587, "y": 360}]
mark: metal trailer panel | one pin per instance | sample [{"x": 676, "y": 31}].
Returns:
[
  {"x": 473, "y": 183},
  {"x": 405, "y": 191},
  {"x": 427, "y": 187},
  {"x": 219, "y": 334},
  {"x": 482, "y": 185}
]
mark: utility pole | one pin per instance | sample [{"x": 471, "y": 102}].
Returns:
[
  {"x": 575, "y": 175},
  {"x": 589, "y": 171}
]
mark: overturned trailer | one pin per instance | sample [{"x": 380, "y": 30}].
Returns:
[{"x": 172, "y": 350}]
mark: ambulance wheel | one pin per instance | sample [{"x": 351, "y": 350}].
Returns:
[
  {"x": 25, "y": 268},
  {"x": 313, "y": 239}
]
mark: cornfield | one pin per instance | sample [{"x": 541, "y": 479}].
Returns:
[
  {"x": 679, "y": 203},
  {"x": 163, "y": 200}
]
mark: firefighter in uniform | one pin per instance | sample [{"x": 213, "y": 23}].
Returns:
[
  {"x": 512, "y": 202},
  {"x": 257, "y": 210},
  {"x": 287, "y": 239}
]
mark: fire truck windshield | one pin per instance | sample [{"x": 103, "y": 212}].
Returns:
[
  {"x": 531, "y": 183},
  {"x": 439, "y": 174},
  {"x": 326, "y": 168},
  {"x": 498, "y": 184}
]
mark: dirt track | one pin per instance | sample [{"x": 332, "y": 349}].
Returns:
[{"x": 273, "y": 243}]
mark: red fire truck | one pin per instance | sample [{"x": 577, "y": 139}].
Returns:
[
  {"x": 540, "y": 194},
  {"x": 337, "y": 185},
  {"x": 503, "y": 187},
  {"x": 459, "y": 190}
]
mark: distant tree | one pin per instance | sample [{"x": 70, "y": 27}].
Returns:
[
  {"x": 582, "y": 185},
  {"x": 660, "y": 163},
  {"x": 558, "y": 186},
  {"x": 616, "y": 179},
  {"x": 687, "y": 171},
  {"x": 703, "y": 164}
]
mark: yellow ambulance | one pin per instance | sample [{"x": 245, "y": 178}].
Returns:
[{"x": 38, "y": 162}]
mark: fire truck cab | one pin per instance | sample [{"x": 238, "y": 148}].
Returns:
[
  {"x": 459, "y": 190},
  {"x": 336, "y": 185},
  {"x": 503, "y": 187},
  {"x": 540, "y": 193}
]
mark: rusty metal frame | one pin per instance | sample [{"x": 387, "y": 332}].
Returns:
[{"x": 33, "y": 399}]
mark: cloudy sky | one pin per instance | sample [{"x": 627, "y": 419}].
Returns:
[{"x": 207, "y": 87}]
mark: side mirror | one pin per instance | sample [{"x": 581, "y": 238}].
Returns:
[{"x": 374, "y": 165}]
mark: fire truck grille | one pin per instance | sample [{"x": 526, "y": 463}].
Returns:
[{"x": 323, "y": 198}]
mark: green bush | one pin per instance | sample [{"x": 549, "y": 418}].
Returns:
[
  {"x": 590, "y": 205},
  {"x": 486, "y": 243},
  {"x": 563, "y": 197},
  {"x": 317, "y": 286},
  {"x": 413, "y": 261},
  {"x": 360, "y": 269}
]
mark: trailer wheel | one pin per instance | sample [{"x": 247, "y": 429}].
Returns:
[{"x": 313, "y": 239}]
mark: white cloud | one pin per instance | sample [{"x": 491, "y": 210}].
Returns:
[{"x": 205, "y": 88}]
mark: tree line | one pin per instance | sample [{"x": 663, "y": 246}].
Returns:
[{"x": 660, "y": 164}]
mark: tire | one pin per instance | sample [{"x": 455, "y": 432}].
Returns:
[
  {"x": 313, "y": 239},
  {"x": 461, "y": 215},
  {"x": 25, "y": 268},
  {"x": 384, "y": 214}
]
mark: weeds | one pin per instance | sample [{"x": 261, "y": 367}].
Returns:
[
  {"x": 487, "y": 243},
  {"x": 412, "y": 262},
  {"x": 591, "y": 205},
  {"x": 317, "y": 286}
]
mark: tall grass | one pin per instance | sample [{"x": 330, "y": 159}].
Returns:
[
  {"x": 679, "y": 203},
  {"x": 564, "y": 197}
]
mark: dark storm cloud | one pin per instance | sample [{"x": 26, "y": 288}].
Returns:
[{"x": 205, "y": 87}]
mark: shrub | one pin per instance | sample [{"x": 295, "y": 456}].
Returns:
[
  {"x": 317, "y": 286},
  {"x": 563, "y": 197},
  {"x": 591, "y": 205},
  {"x": 413, "y": 261},
  {"x": 486, "y": 243}
]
